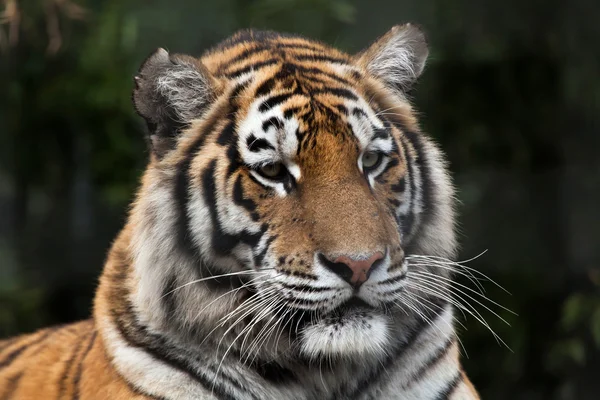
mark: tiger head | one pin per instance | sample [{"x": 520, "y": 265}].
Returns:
[{"x": 287, "y": 186}]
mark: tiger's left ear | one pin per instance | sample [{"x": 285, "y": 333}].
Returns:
[
  {"x": 397, "y": 58},
  {"x": 170, "y": 91}
]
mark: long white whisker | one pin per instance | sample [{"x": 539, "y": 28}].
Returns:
[{"x": 212, "y": 277}]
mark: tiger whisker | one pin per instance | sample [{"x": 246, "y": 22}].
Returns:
[
  {"x": 431, "y": 288},
  {"x": 450, "y": 283},
  {"x": 458, "y": 264},
  {"x": 472, "y": 278},
  {"x": 212, "y": 277}
]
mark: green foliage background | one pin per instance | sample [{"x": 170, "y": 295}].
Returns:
[{"x": 511, "y": 93}]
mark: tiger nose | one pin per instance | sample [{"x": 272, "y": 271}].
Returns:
[{"x": 352, "y": 270}]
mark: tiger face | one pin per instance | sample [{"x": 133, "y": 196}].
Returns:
[{"x": 296, "y": 175}]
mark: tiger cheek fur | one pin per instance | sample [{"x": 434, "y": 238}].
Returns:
[{"x": 266, "y": 255}]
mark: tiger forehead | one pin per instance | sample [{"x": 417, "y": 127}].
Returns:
[{"x": 248, "y": 49}]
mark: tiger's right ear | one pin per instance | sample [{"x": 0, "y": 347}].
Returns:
[{"x": 171, "y": 91}]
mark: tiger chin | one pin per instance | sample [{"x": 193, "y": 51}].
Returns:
[{"x": 272, "y": 251}]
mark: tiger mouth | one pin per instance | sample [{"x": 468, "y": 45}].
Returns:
[{"x": 354, "y": 308}]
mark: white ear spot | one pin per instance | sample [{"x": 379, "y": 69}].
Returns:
[{"x": 397, "y": 58}]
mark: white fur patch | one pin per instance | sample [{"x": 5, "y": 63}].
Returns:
[
  {"x": 358, "y": 333},
  {"x": 185, "y": 88}
]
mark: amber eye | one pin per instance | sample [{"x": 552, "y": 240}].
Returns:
[
  {"x": 273, "y": 171},
  {"x": 371, "y": 160}
]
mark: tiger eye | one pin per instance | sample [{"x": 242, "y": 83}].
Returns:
[
  {"x": 271, "y": 170},
  {"x": 371, "y": 159}
]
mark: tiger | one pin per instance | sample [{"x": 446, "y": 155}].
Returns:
[{"x": 272, "y": 250}]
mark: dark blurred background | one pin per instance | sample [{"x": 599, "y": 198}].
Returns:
[{"x": 511, "y": 92}]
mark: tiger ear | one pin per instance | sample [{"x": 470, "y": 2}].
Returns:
[
  {"x": 397, "y": 58},
  {"x": 170, "y": 91}
]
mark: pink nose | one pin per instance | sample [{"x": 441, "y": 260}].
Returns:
[{"x": 353, "y": 271}]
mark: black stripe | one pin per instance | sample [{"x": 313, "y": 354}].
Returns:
[
  {"x": 320, "y": 57},
  {"x": 439, "y": 354},
  {"x": 244, "y": 54},
  {"x": 450, "y": 388},
  {"x": 168, "y": 295},
  {"x": 181, "y": 190},
  {"x": 270, "y": 46},
  {"x": 287, "y": 114},
  {"x": 394, "y": 279},
  {"x": 380, "y": 133},
  {"x": 222, "y": 242},
  {"x": 273, "y": 372},
  {"x": 62, "y": 382},
  {"x": 320, "y": 72},
  {"x": 251, "y": 67},
  {"x": 227, "y": 134},
  {"x": 400, "y": 186},
  {"x": 305, "y": 288},
  {"x": 233, "y": 156},
  {"x": 407, "y": 221},
  {"x": 258, "y": 259},
  {"x": 340, "y": 92},
  {"x": 274, "y": 101},
  {"x": 272, "y": 122},
  {"x": 79, "y": 371},
  {"x": 342, "y": 109},
  {"x": 11, "y": 386},
  {"x": 426, "y": 183},
  {"x": 255, "y": 144},
  {"x": 359, "y": 113},
  {"x": 392, "y": 162},
  {"x": 12, "y": 356},
  {"x": 265, "y": 87},
  {"x": 298, "y": 274},
  {"x": 239, "y": 199}
]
